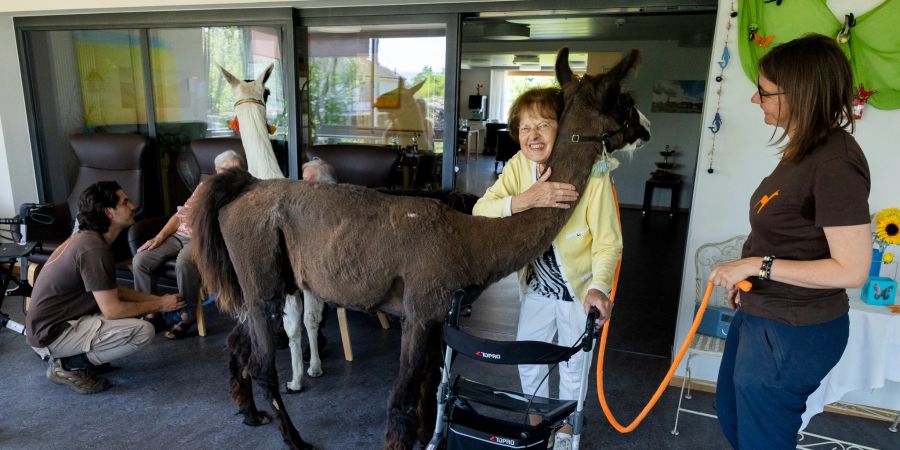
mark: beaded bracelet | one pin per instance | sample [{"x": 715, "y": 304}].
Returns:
[{"x": 765, "y": 270}]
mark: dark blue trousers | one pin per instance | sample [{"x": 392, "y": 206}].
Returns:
[{"x": 768, "y": 370}]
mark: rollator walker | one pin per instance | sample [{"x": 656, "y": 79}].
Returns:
[{"x": 474, "y": 416}]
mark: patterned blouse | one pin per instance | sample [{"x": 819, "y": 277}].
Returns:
[{"x": 544, "y": 277}]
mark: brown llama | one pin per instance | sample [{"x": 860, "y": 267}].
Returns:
[{"x": 361, "y": 249}]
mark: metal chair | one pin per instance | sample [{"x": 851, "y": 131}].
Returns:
[{"x": 708, "y": 256}]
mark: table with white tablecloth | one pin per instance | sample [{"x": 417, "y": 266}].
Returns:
[{"x": 871, "y": 359}]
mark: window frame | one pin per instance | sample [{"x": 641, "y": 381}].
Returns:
[{"x": 282, "y": 19}]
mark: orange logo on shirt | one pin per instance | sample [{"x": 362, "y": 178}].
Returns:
[{"x": 765, "y": 200}]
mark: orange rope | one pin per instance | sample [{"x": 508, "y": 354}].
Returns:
[{"x": 743, "y": 285}]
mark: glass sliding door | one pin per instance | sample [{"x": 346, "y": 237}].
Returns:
[
  {"x": 192, "y": 100},
  {"x": 86, "y": 81},
  {"x": 381, "y": 85},
  {"x": 161, "y": 81}
]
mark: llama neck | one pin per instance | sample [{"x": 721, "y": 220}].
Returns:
[
  {"x": 517, "y": 240},
  {"x": 261, "y": 162}
]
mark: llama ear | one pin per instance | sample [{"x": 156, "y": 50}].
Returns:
[
  {"x": 263, "y": 77},
  {"x": 416, "y": 88},
  {"x": 231, "y": 79},
  {"x": 621, "y": 70},
  {"x": 563, "y": 71}
]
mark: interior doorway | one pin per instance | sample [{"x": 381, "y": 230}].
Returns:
[{"x": 503, "y": 55}]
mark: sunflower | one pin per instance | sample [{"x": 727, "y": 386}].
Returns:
[
  {"x": 885, "y": 213},
  {"x": 888, "y": 229}
]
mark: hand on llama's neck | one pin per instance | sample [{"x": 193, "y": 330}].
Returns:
[
  {"x": 599, "y": 112},
  {"x": 517, "y": 240}
]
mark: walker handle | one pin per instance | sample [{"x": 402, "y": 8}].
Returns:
[{"x": 744, "y": 285}]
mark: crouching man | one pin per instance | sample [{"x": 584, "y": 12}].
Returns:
[{"x": 79, "y": 317}]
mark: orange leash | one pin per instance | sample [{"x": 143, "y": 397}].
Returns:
[{"x": 742, "y": 285}]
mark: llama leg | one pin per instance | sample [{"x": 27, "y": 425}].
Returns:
[
  {"x": 293, "y": 311},
  {"x": 312, "y": 315},
  {"x": 427, "y": 409},
  {"x": 241, "y": 387},
  {"x": 400, "y": 432},
  {"x": 264, "y": 373}
]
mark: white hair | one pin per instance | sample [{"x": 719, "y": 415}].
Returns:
[
  {"x": 324, "y": 170},
  {"x": 227, "y": 155}
]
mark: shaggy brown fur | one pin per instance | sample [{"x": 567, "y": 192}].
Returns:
[{"x": 364, "y": 250}]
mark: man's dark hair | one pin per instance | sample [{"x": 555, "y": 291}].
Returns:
[{"x": 93, "y": 203}]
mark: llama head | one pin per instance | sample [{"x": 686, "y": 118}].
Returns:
[
  {"x": 600, "y": 104},
  {"x": 249, "y": 89},
  {"x": 406, "y": 114}
]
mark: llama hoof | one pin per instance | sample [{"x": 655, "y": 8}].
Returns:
[
  {"x": 315, "y": 373},
  {"x": 303, "y": 446},
  {"x": 290, "y": 388},
  {"x": 258, "y": 419}
]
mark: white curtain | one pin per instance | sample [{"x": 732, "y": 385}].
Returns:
[{"x": 496, "y": 110}]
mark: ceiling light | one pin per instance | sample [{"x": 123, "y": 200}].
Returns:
[
  {"x": 505, "y": 31},
  {"x": 526, "y": 59}
]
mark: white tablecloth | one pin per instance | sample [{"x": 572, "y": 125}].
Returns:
[{"x": 872, "y": 356}]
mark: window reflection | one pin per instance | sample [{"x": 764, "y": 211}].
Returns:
[
  {"x": 192, "y": 100},
  {"x": 93, "y": 81},
  {"x": 381, "y": 85}
]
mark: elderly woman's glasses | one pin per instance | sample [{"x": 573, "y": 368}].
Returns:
[{"x": 541, "y": 128}]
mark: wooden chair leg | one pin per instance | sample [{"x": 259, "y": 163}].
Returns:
[
  {"x": 201, "y": 320},
  {"x": 384, "y": 321},
  {"x": 345, "y": 333},
  {"x": 33, "y": 270},
  {"x": 198, "y": 313}
]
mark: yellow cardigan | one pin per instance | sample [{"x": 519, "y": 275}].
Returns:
[{"x": 588, "y": 246}]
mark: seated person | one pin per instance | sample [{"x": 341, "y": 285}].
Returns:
[
  {"x": 79, "y": 317},
  {"x": 318, "y": 170},
  {"x": 174, "y": 240}
]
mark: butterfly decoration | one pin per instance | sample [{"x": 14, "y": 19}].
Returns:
[
  {"x": 863, "y": 94},
  {"x": 752, "y": 31},
  {"x": 843, "y": 36},
  {"x": 717, "y": 124},
  {"x": 726, "y": 56},
  {"x": 763, "y": 41},
  {"x": 776, "y": 2}
]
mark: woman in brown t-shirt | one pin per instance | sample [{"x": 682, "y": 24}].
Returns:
[{"x": 809, "y": 241}]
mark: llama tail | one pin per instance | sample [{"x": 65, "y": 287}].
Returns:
[{"x": 210, "y": 253}]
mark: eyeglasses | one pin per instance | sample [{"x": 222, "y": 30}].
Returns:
[
  {"x": 764, "y": 94},
  {"x": 542, "y": 128}
]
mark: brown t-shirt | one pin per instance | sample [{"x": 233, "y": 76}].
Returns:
[
  {"x": 788, "y": 211},
  {"x": 62, "y": 291}
]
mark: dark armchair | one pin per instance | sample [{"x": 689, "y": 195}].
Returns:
[
  {"x": 506, "y": 148},
  {"x": 365, "y": 165},
  {"x": 124, "y": 158},
  {"x": 204, "y": 152},
  {"x": 490, "y": 136}
]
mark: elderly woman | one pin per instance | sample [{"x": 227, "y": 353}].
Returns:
[
  {"x": 174, "y": 239},
  {"x": 809, "y": 241},
  {"x": 576, "y": 272}
]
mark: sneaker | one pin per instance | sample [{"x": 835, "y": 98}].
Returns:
[
  {"x": 78, "y": 380},
  {"x": 562, "y": 441}
]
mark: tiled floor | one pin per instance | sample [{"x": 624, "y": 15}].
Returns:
[{"x": 175, "y": 393}]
